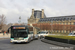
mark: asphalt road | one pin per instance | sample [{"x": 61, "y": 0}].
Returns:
[{"x": 33, "y": 45}]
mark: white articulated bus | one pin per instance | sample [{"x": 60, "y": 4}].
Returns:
[
  {"x": 20, "y": 33},
  {"x": 42, "y": 34}
]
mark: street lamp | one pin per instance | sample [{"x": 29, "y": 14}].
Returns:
[{"x": 19, "y": 19}]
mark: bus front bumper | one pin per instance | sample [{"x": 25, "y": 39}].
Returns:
[{"x": 19, "y": 41}]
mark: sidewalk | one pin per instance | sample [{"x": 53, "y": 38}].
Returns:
[
  {"x": 4, "y": 36},
  {"x": 70, "y": 46}
]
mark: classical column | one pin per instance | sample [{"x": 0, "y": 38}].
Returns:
[{"x": 34, "y": 30}]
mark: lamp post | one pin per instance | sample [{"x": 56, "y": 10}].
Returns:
[{"x": 19, "y": 19}]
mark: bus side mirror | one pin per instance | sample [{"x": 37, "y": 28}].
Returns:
[{"x": 8, "y": 30}]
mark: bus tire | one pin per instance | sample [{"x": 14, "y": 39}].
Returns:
[{"x": 29, "y": 40}]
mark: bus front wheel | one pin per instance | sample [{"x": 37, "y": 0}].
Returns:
[{"x": 29, "y": 40}]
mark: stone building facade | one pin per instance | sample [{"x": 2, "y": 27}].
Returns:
[{"x": 38, "y": 17}]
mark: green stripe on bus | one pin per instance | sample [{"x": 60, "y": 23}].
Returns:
[{"x": 12, "y": 38}]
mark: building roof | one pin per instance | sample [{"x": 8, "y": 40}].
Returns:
[
  {"x": 38, "y": 14},
  {"x": 71, "y": 17},
  {"x": 63, "y": 16}
]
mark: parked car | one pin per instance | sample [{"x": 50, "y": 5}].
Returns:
[
  {"x": 34, "y": 35},
  {"x": 42, "y": 34},
  {"x": 72, "y": 33}
]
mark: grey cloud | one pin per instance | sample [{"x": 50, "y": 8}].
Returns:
[
  {"x": 1, "y": 4},
  {"x": 14, "y": 15},
  {"x": 23, "y": 8}
]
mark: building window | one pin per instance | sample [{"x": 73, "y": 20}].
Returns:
[
  {"x": 60, "y": 31},
  {"x": 70, "y": 23},
  {"x": 70, "y": 18},
  {"x": 57, "y": 23},
  {"x": 54, "y": 31},
  {"x": 66, "y": 31},
  {"x": 74, "y": 18},
  {"x": 63, "y": 31},
  {"x": 57, "y": 31},
  {"x": 67, "y": 23},
  {"x": 60, "y": 23},
  {"x": 64, "y": 19},
  {"x": 63, "y": 23},
  {"x": 74, "y": 23}
]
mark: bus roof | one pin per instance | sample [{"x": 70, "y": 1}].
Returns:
[{"x": 21, "y": 26}]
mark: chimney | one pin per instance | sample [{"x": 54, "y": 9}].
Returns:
[
  {"x": 33, "y": 12},
  {"x": 42, "y": 13}
]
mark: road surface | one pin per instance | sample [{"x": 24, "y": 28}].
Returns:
[{"x": 33, "y": 45}]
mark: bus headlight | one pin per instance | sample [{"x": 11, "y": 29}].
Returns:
[{"x": 11, "y": 40}]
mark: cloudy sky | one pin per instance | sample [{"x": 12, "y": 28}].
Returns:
[{"x": 12, "y": 9}]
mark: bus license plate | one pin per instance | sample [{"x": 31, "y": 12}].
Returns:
[{"x": 18, "y": 41}]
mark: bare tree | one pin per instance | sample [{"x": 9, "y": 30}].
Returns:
[{"x": 2, "y": 20}]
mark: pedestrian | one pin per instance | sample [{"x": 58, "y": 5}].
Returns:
[
  {"x": 3, "y": 32},
  {"x": 7, "y": 33}
]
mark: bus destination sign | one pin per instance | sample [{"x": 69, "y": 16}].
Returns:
[{"x": 18, "y": 27}]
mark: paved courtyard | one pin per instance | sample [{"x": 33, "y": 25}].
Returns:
[{"x": 4, "y": 36}]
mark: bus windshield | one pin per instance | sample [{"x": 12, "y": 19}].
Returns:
[{"x": 19, "y": 33}]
